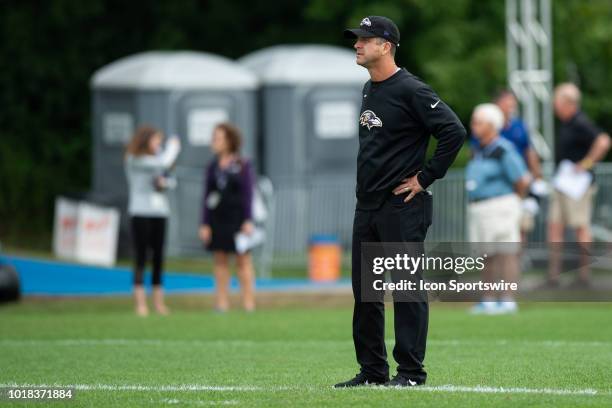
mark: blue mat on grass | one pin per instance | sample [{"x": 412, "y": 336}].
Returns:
[{"x": 51, "y": 278}]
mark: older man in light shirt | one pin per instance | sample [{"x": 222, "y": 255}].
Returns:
[{"x": 496, "y": 178}]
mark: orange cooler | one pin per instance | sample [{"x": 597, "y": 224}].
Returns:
[{"x": 324, "y": 258}]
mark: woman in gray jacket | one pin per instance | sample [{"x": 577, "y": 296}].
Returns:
[{"x": 146, "y": 167}]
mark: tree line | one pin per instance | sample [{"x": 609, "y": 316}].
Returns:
[{"x": 49, "y": 50}]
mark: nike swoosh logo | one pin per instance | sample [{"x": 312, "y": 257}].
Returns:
[
  {"x": 433, "y": 105},
  {"x": 413, "y": 383}
]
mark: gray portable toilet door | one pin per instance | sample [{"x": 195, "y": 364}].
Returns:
[
  {"x": 332, "y": 116},
  {"x": 115, "y": 121},
  {"x": 196, "y": 116}
]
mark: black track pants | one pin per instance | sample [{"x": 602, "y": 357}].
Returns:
[{"x": 394, "y": 221}]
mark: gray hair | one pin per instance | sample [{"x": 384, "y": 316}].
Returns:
[
  {"x": 490, "y": 113},
  {"x": 568, "y": 91}
]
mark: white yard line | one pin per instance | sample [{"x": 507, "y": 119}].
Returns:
[
  {"x": 265, "y": 343},
  {"x": 480, "y": 389},
  {"x": 158, "y": 388},
  {"x": 508, "y": 390}
]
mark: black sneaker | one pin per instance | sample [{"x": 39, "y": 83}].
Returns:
[
  {"x": 401, "y": 381},
  {"x": 360, "y": 380}
]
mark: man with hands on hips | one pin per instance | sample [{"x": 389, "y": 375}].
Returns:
[{"x": 399, "y": 112}]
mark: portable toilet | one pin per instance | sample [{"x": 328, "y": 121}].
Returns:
[
  {"x": 310, "y": 99},
  {"x": 184, "y": 93}
]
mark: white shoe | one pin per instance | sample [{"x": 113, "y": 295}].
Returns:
[{"x": 487, "y": 308}]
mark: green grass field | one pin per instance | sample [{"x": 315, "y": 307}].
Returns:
[{"x": 547, "y": 355}]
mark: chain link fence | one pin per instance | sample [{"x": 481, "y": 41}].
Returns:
[{"x": 300, "y": 211}]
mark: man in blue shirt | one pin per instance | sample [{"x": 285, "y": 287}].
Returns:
[
  {"x": 495, "y": 178},
  {"x": 515, "y": 131}
]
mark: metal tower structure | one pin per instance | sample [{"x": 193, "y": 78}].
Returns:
[{"x": 530, "y": 75}]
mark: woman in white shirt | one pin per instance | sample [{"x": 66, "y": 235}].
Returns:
[{"x": 146, "y": 166}]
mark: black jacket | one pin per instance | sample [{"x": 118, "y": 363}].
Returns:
[{"x": 398, "y": 115}]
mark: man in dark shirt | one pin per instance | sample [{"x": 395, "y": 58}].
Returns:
[
  {"x": 399, "y": 112},
  {"x": 584, "y": 144}
]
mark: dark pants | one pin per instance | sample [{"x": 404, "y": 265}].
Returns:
[
  {"x": 394, "y": 221},
  {"x": 148, "y": 235}
]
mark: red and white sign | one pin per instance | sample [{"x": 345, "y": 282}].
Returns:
[
  {"x": 64, "y": 230},
  {"x": 85, "y": 233}
]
